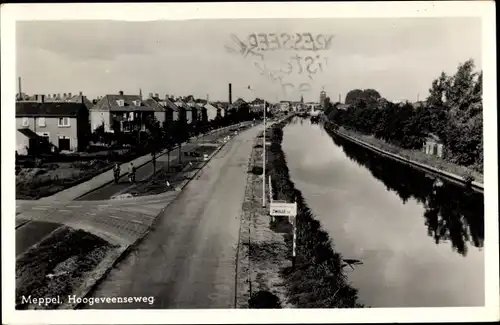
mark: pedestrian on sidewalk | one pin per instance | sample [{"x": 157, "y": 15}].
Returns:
[
  {"x": 131, "y": 173},
  {"x": 116, "y": 172},
  {"x": 153, "y": 160}
]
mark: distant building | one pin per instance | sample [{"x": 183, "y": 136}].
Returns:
[
  {"x": 64, "y": 125},
  {"x": 343, "y": 107},
  {"x": 433, "y": 146},
  {"x": 236, "y": 106},
  {"x": 212, "y": 111},
  {"x": 311, "y": 106},
  {"x": 322, "y": 98},
  {"x": 124, "y": 113},
  {"x": 285, "y": 106}
]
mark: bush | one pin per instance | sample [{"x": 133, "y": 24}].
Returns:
[{"x": 264, "y": 299}]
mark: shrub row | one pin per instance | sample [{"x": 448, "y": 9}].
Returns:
[{"x": 317, "y": 280}]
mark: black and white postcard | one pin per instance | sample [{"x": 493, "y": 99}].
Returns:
[{"x": 249, "y": 162}]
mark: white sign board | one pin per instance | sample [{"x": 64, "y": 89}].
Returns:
[{"x": 283, "y": 209}]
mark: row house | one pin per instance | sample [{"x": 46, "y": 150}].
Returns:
[
  {"x": 212, "y": 111},
  {"x": 124, "y": 113},
  {"x": 185, "y": 111},
  {"x": 63, "y": 125}
]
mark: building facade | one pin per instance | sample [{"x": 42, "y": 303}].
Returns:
[{"x": 65, "y": 125}]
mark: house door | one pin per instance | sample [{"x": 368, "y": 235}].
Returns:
[{"x": 64, "y": 144}]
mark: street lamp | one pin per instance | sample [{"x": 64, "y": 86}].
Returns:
[{"x": 263, "y": 155}]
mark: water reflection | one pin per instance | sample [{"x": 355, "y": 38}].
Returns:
[
  {"x": 382, "y": 213},
  {"x": 452, "y": 213}
]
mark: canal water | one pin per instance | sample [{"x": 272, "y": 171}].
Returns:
[{"x": 420, "y": 244}]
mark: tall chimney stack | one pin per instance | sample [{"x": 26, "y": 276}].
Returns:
[
  {"x": 230, "y": 95},
  {"x": 20, "y": 90}
]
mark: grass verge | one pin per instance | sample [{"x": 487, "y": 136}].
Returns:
[
  {"x": 318, "y": 279},
  {"x": 57, "y": 266},
  {"x": 173, "y": 173},
  {"x": 415, "y": 155}
]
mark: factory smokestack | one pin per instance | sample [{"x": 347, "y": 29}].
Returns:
[
  {"x": 230, "y": 95},
  {"x": 20, "y": 90}
]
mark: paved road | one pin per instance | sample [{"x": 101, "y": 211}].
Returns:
[
  {"x": 119, "y": 221},
  {"x": 188, "y": 259},
  {"x": 106, "y": 192}
]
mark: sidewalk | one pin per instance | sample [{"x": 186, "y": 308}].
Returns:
[{"x": 107, "y": 177}]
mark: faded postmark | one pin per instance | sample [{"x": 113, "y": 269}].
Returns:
[{"x": 305, "y": 59}]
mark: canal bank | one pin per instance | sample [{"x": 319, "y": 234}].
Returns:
[
  {"x": 420, "y": 245},
  {"x": 266, "y": 277},
  {"x": 461, "y": 176}
]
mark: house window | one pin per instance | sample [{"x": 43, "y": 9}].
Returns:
[
  {"x": 41, "y": 121},
  {"x": 120, "y": 102},
  {"x": 26, "y": 121},
  {"x": 137, "y": 103},
  {"x": 63, "y": 122}
]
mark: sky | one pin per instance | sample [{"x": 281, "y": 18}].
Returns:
[{"x": 398, "y": 57}]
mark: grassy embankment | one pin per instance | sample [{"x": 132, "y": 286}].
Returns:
[
  {"x": 58, "y": 265},
  {"x": 415, "y": 155},
  {"x": 317, "y": 280}
]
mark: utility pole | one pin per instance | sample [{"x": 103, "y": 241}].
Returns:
[
  {"x": 264, "y": 162},
  {"x": 20, "y": 90}
]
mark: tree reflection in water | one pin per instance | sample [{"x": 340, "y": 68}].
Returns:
[{"x": 452, "y": 213}]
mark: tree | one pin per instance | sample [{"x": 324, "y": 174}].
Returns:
[
  {"x": 370, "y": 96},
  {"x": 180, "y": 130},
  {"x": 155, "y": 138}
]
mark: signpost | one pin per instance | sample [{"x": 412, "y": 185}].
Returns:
[{"x": 282, "y": 208}]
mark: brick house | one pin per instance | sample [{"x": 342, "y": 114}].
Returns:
[
  {"x": 124, "y": 113},
  {"x": 65, "y": 125}
]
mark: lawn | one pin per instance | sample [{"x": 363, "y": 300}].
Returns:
[
  {"x": 58, "y": 265},
  {"x": 173, "y": 173},
  {"x": 37, "y": 182}
]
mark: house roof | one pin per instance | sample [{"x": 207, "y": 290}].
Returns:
[
  {"x": 433, "y": 137},
  {"x": 30, "y": 134},
  {"x": 171, "y": 105},
  {"x": 154, "y": 104},
  {"x": 210, "y": 106},
  {"x": 182, "y": 104},
  {"x": 109, "y": 103},
  {"x": 48, "y": 109},
  {"x": 237, "y": 104}
]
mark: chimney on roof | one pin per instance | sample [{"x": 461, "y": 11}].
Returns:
[
  {"x": 69, "y": 95},
  {"x": 150, "y": 95},
  {"x": 65, "y": 95},
  {"x": 48, "y": 96},
  {"x": 157, "y": 95},
  {"x": 81, "y": 93},
  {"x": 120, "y": 92},
  {"x": 40, "y": 98}
]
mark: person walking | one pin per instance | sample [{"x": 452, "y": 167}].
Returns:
[
  {"x": 153, "y": 160},
  {"x": 131, "y": 173},
  {"x": 116, "y": 172}
]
